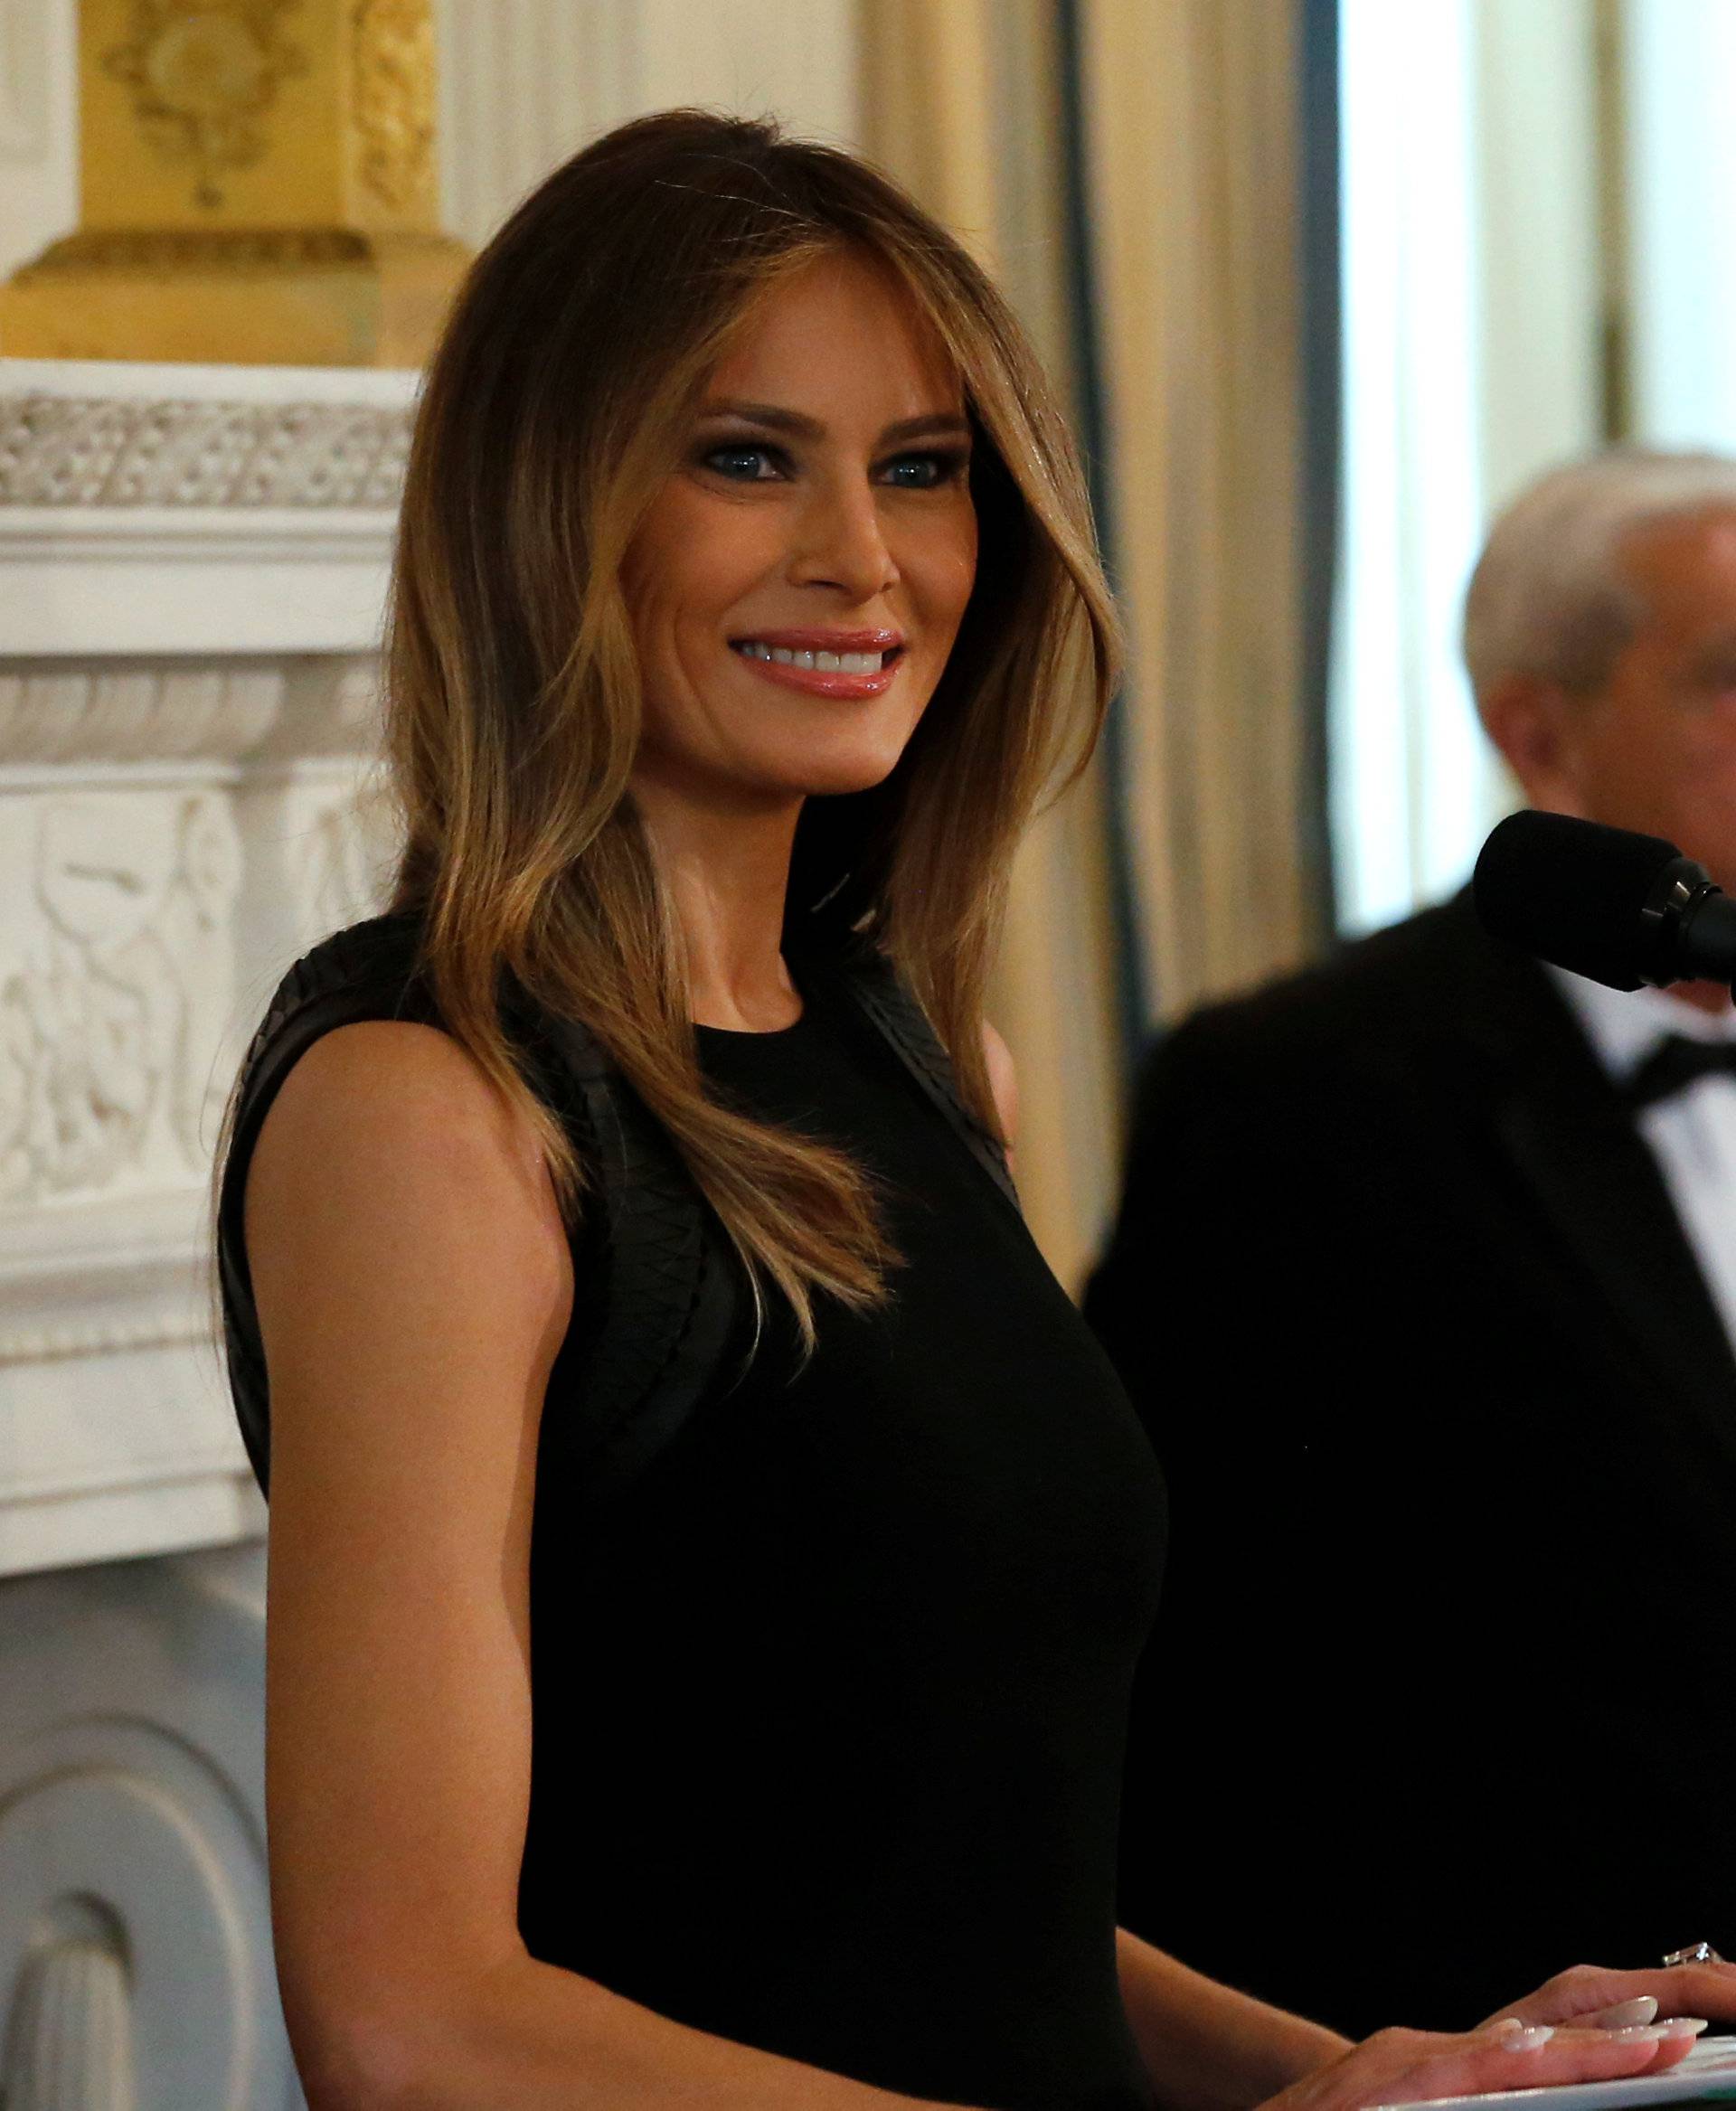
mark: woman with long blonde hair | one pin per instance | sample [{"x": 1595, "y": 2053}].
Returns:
[{"x": 708, "y": 1557}]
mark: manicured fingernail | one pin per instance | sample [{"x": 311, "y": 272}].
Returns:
[
  {"x": 1682, "y": 2026},
  {"x": 1527, "y": 2038},
  {"x": 1626, "y": 2014},
  {"x": 1641, "y": 2034}
]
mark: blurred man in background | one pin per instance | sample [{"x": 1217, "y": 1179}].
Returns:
[{"x": 1425, "y": 1282}]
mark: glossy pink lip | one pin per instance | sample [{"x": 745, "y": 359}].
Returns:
[{"x": 826, "y": 641}]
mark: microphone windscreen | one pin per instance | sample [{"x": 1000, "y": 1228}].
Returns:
[{"x": 1572, "y": 892}]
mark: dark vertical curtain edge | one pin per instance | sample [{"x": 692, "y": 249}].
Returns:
[
  {"x": 1132, "y": 998},
  {"x": 1320, "y": 316}
]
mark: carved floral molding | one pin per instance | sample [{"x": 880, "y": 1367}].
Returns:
[
  {"x": 66, "y": 450},
  {"x": 134, "y": 713}
]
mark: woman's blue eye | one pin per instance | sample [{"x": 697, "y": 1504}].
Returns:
[
  {"x": 745, "y": 464},
  {"x": 755, "y": 463},
  {"x": 921, "y": 472}
]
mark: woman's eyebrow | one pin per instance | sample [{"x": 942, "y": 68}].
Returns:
[
  {"x": 935, "y": 425},
  {"x": 931, "y": 425}
]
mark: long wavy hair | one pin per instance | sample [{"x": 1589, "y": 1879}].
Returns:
[{"x": 560, "y": 398}]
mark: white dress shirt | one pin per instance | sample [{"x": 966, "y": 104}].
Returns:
[{"x": 1692, "y": 1132}]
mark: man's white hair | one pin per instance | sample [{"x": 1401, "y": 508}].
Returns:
[{"x": 1550, "y": 596}]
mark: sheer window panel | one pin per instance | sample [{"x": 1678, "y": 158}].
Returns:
[
  {"x": 1472, "y": 348},
  {"x": 1675, "y": 66}
]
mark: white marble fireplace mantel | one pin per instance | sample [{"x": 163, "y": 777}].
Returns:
[{"x": 192, "y": 570}]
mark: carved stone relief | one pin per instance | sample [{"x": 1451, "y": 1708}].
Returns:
[
  {"x": 135, "y": 1955},
  {"x": 69, "y": 2040},
  {"x": 61, "y": 450},
  {"x": 57, "y": 714},
  {"x": 171, "y": 836},
  {"x": 341, "y": 876},
  {"x": 117, "y": 992},
  {"x": 319, "y": 849},
  {"x": 119, "y": 1002}
]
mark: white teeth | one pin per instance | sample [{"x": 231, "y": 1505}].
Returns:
[{"x": 820, "y": 662}]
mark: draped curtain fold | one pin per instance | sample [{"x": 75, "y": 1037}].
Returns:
[
  {"x": 1188, "y": 862},
  {"x": 1196, "y": 168}
]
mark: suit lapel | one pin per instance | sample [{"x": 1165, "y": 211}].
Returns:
[
  {"x": 1575, "y": 1146},
  {"x": 1604, "y": 1196}
]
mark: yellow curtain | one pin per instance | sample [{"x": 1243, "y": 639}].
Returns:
[{"x": 1194, "y": 163}]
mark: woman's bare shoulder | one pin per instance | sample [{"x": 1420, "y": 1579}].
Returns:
[
  {"x": 402, "y": 1082},
  {"x": 393, "y": 1188}
]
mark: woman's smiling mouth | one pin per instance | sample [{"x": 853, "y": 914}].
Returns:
[{"x": 824, "y": 663}]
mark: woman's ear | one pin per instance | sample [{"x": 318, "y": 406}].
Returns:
[{"x": 1534, "y": 723}]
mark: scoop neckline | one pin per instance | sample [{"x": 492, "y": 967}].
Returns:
[{"x": 801, "y": 1018}]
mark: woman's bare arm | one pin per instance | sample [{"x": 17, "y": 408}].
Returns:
[
  {"x": 1206, "y": 2047},
  {"x": 414, "y": 1283}
]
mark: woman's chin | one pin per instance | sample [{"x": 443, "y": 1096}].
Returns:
[
  {"x": 852, "y": 766},
  {"x": 837, "y": 784},
  {"x": 825, "y": 777}
]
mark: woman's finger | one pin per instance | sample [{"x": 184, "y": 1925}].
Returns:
[
  {"x": 1528, "y": 2056},
  {"x": 1583, "y": 1995},
  {"x": 1627, "y": 2015}
]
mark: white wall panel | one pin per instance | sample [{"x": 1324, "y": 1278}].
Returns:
[
  {"x": 39, "y": 181},
  {"x": 526, "y": 83}
]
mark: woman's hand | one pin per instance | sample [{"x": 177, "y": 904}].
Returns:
[
  {"x": 1515, "y": 2052},
  {"x": 1588, "y": 1994}
]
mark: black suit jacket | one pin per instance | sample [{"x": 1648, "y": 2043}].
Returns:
[{"x": 1443, "y": 1694}]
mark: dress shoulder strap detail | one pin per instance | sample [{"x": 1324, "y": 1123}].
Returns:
[
  {"x": 667, "y": 1288},
  {"x": 885, "y": 999}
]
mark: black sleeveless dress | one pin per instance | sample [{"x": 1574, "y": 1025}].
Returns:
[{"x": 829, "y": 1708}]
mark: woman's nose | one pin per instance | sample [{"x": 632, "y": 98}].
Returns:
[{"x": 843, "y": 544}]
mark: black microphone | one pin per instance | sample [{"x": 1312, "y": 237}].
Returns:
[{"x": 1618, "y": 909}]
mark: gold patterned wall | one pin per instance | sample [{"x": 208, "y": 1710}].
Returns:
[{"x": 259, "y": 183}]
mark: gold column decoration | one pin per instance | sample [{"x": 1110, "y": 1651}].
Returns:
[{"x": 259, "y": 186}]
